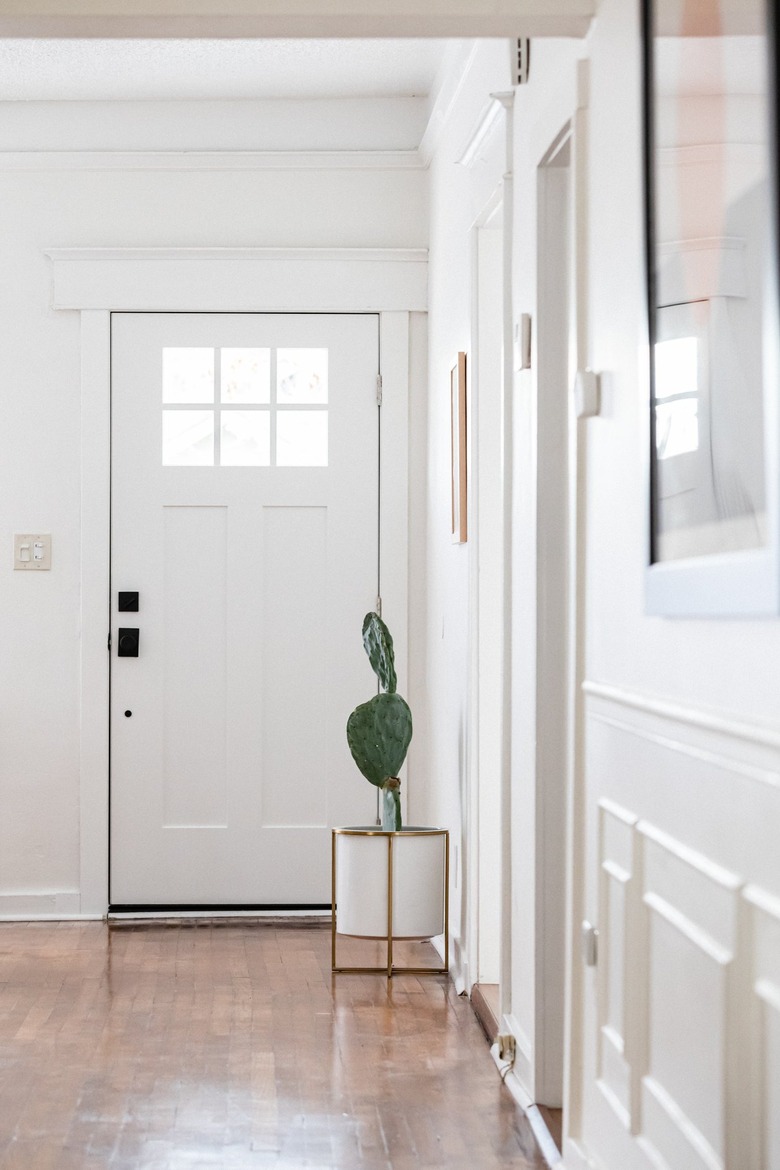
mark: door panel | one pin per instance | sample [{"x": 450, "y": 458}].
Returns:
[{"x": 245, "y": 513}]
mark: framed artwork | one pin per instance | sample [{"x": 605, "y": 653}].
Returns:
[
  {"x": 710, "y": 129},
  {"x": 458, "y": 450}
]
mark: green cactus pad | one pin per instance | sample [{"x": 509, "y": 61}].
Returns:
[
  {"x": 378, "y": 642},
  {"x": 379, "y": 733}
]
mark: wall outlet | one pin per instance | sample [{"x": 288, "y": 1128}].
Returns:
[{"x": 506, "y": 1046}]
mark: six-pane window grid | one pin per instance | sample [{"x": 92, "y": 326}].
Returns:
[{"x": 245, "y": 406}]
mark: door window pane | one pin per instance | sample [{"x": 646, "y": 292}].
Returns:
[
  {"x": 246, "y": 375},
  {"x": 301, "y": 376},
  {"x": 302, "y": 438},
  {"x": 188, "y": 375},
  {"x": 188, "y": 438},
  {"x": 245, "y": 439}
]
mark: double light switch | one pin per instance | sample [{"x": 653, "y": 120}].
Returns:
[{"x": 32, "y": 551}]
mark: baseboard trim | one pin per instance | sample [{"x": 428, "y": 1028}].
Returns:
[
  {"x": 544, "y": 1139},
  {"x": 47, "y": 905},
  {"x": 484, "y": 1012}
]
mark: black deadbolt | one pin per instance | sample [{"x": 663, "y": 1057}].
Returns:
[
  {"x": 128, "y": 603},
  {"x": 128, "y": 644},
  {"x": 128, "y": 714}
]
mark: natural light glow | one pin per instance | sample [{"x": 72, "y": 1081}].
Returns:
[{"x": 677, "y": 397}]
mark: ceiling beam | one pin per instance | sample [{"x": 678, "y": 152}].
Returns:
[{"x": 295, "y": 18}]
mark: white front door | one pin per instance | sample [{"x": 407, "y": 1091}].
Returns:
[{"x": 245, "y": 518}]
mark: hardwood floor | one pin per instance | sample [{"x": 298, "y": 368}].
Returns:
[{"x": 230, "y": 1045}]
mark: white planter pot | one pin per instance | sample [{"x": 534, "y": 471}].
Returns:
[{"x": 363, "y": 859}]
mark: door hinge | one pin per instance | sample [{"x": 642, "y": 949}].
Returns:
[
  {"x": 590, "y": 944},
  {"x": 379, "y": 606},
  {"x": 109, "y": 640},
  {"x": 379, "y": 389}
]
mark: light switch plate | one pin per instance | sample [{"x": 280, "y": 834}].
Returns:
[{"x": 32, "y": 551}]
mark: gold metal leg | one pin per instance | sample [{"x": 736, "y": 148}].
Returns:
[{"x": 389, "y": 907}]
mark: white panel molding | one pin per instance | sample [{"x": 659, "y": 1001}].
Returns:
[
  {"x": 726, "y": 725},
  {"x": 617, "y": 884},
  {"x": 240, "y": 279},
  {"x": 763, "y": 1024},
  {"x": 699, "y": 901},
  {"x": 212, "y": 160}
]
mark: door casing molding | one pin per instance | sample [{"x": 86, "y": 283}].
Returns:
[{"x": 97, "y": 281}]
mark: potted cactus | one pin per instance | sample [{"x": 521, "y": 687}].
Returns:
[
  {"x": 379, "y": 732},
  {"x": 389, "y": 882}
]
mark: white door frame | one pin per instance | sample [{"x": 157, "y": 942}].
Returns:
[
  {"x": 98, "y": 281},
  {"x": 489, "y": 220}
]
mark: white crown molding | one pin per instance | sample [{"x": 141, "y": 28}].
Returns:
[
  {"x": 212, "y": 160},
  {"x": 486, "y": 124},
  {"x": 447, "y": 97}
]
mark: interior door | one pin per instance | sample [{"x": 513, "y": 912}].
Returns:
[{"x": 245, "y": 458}]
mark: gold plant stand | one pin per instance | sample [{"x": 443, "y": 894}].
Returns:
[{"x": 390, "y": 969}]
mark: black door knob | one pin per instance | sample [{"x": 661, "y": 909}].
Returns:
[{"x": 128, "y": 643}]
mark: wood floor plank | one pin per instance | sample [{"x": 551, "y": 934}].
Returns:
[{"x": 230, "y": 1045}]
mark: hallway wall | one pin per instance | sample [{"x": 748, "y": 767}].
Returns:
[
  {"x": 682, "y": 755},
  {"x": 672, "y": 1043},
  {"x": 58, "y": 194}
]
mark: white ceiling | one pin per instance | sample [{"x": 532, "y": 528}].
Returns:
[{"x": 90, "y": 70}]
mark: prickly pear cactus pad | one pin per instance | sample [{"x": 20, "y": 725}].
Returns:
[
  {"x": 379, "y": 733},
  {"x": 378, "y": 643}
]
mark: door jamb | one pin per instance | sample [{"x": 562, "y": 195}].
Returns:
[{"x": 358, "y": 295}]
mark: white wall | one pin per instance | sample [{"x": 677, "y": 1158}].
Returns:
[
  {"x": 684, "y": 742},
  {"x": 458, "y": 196},
  {"x": 58, "y": 204},
  {"x": 673, "y": 1042}
]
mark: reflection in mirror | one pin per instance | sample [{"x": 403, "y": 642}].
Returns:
[{"x": 709, "y": 269}]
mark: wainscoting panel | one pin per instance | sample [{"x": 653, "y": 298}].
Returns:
[
  {"x": 682, "y": 1026},
  {"x": 617, "y": 889},
  {"x": 765, "y": 1032},
  {"x": 690, "y": 928}
]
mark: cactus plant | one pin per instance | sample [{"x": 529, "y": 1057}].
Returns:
[{"x": 379, "y": 732}]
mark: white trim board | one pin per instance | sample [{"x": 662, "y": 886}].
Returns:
[
  {"x": 212, "y": 160},
  {"x": 357, "y": 280},
  {"x": 25, "y": 906},
  {"x": 726, "y": 725},
  {"x": 310, "y": 18},
  {"x": 326, "y": 280}
]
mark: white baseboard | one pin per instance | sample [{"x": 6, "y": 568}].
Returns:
[
  {"x": 457, "y": 967},
  {"x": 47, "y": 905},
  {"x": 549, "y": 1150}
]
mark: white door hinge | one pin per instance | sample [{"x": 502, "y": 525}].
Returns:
[
  {"x": 379, "y": 389},
  {"x": 379, "y": 606}
]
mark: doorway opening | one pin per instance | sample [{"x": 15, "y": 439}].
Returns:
[
  {"x": 486, "y": 610},
  {"x": 556, "y": 358}
]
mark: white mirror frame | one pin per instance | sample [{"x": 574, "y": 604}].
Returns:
[{"x": 737, "y": 584}]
